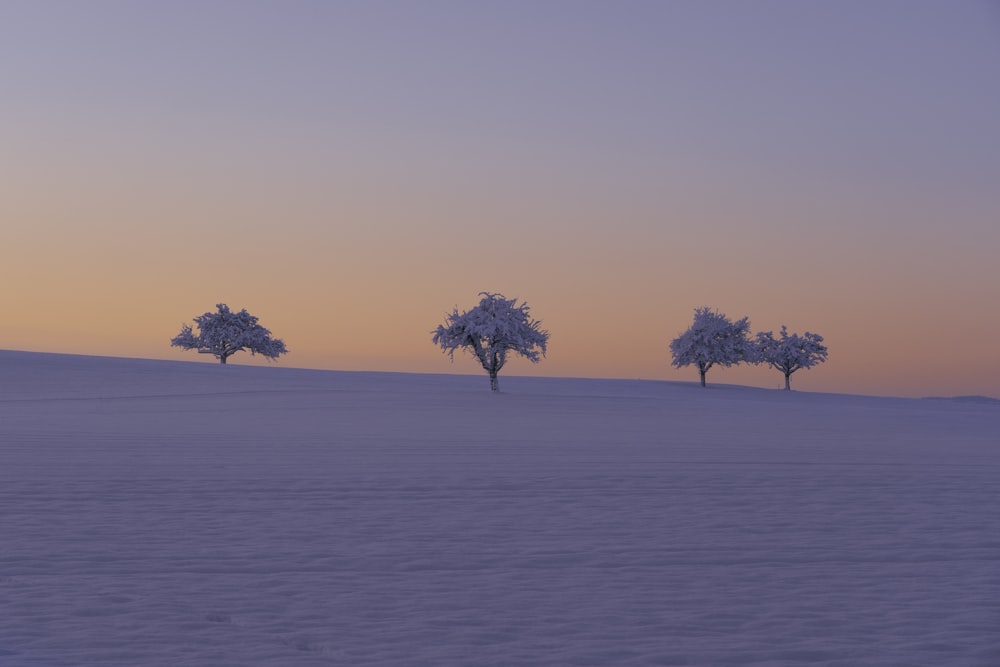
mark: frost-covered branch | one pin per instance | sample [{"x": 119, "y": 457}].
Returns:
[
  {"x": 712, "y": 339},
  {"x": 224, "y": 333},
  {"x": 791, "y": 352},
  {"x": 492, "y": 329}
]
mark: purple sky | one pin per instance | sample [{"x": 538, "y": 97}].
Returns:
[{"x": 351, "y": 171}]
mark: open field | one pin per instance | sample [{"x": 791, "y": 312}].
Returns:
[{"x": 167, "y": 513}]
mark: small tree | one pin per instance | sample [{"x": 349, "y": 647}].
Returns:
[
  {"x": 224, "y": 333},
  {"x": 712, "y": 339},
  {"x": 492, "y": 329},
  {"x": 790, "y": 353}
]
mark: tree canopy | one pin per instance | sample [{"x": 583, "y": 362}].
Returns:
[
  {"x": 224, "y": 333},
  {"x": 712, "y": 339},
  {"x": 490, "y": 331},
  {"x": 790, "y": 352}
]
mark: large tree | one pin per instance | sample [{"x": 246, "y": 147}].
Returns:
[
  {"x": 490, "y": 331},
  {"x": 224, "y": 333},
  {"x": 712, "y": 339},
  {"x": 790, "y": 353}
]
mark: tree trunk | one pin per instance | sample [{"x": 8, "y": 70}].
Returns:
[
  {"x": 222, "y": 358},
  {"x": 788, "y": 381},
  {"x": 702, "y": 377},
  {"x": 493, "y": 370}
]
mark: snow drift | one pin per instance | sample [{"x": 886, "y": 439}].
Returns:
[{"x": 179, "y": 513}]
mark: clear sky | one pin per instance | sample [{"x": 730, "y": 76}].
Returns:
[{"x": 351, "y": 171}]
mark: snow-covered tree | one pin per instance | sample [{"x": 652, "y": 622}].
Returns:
[
  {"x": 492, "y": 329},
  {"x": 712, "y": 339},
  {"x": 224, "y": 333},
  {"x": 790, "y": 353}
]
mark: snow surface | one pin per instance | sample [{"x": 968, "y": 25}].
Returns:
[{"x": 180, "y": 513}]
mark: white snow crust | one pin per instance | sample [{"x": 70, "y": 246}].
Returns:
[{"x": 180, "y": 513}]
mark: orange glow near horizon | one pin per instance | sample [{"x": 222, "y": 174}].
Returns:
[{"x": 351, "y": 186}]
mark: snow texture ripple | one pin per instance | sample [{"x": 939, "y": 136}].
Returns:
[{"x": 162, "y": 513}]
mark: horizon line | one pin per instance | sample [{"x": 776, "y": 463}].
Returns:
[{"x": 694, "y": 383}]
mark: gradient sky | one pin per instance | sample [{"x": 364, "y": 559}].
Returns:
[{"x": 349, "y": 172}]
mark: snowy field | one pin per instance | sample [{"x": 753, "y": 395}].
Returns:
[{"x": 164, "y": 513}]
